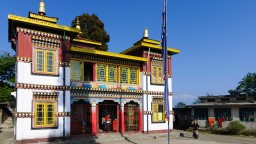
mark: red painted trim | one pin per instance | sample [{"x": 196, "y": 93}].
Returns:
[
  {"x": 97, "y": 117},
  {"x": 170, "y": 66},
  {"x": 64, "y": 47},
  {"x": 24, "y": 45},
  {"x": 122, "y": 128},
  {"x": 118, "y": 117},
  {"x": 94, "y": 120},
  {"x": 140, "y": 120}
]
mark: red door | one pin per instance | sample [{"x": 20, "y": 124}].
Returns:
[{"x": 80, "y": 119}]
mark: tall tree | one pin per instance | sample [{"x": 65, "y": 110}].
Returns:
[
  {"x": 7, "y": 77},
  {"x": 180, "y": 105},
  {"x": 246, "y": 86},
  {"x": 93, "y": 28}
]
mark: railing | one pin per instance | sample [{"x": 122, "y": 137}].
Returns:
[{"x": 104, "y": 85}]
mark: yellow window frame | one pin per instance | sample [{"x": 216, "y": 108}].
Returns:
[
  {"x": 72, "y": 70},
  {"x": 137, "y": 75},
  {"x": 45, "y": 61},
  {"x": 46, "y": 120},
  {"x": 156, "y": 115},
  {"x": 158, "y": 75}
]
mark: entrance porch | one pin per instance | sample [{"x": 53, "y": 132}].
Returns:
[{"x": 91, "y": 117}]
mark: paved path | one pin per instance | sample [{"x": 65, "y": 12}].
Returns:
[{"x": 6, "y": 137}]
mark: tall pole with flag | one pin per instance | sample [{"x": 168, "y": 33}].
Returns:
[{"x": 165, "y": 65}]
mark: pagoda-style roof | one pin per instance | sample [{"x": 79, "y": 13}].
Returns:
[
  {"x": 42, "y": 17},
  {"x": 39, "y": 22},
  {"x": 145, "y": 44},
  {"x": 107, "y": 54}
]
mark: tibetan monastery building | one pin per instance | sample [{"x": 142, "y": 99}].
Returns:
[{"x": 66, "y": 88}]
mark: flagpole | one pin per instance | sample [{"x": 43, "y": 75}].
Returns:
[{"x": 165, "y": 66}]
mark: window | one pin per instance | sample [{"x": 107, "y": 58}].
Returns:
[
  {"x": 201, "y": 113},
  {"x": 222, "y": 113},
  {"x": 77, "y": 70},
  {"x": 45, "y": 109},
  {"x": 134, "y": 76},
  {"x": 44, "y": 114},
  {"x": 158, "y": 114},
  {"x": 157, "y": 72},
  {"x": 45, "y": 61},
  {"x": 112, "y": 74},
  {"x": 124, "y": 75},
  {"x": 101, "y": 72},
  {"x": 247, "y": 114},
  {"x": 129, "y": 75}
]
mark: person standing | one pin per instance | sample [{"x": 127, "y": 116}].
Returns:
[
  {"x": 195, "y": 127},
  {"x": 107, "y": 120}
]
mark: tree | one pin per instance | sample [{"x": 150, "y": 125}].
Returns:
[
  {"x": 246, "y": 86},
  {"x": 93, "y": 28},
  {"x": 180, "y": 105},
  {"x": 7, "y": 77},
  {"x": 7, "y": 68}
]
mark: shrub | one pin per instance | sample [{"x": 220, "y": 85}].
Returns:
[{"x": 235, "y": 127}]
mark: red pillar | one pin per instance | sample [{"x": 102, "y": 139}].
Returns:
[
  {"x": 94, "y": 119},
  {"x": 140, "y": 119},
  {"x": 122, "y": 118}
]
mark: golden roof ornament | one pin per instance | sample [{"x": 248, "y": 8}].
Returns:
[
  {"x": 41, "y": 9},
  {"x": 146, "y": 33},
  {"x": 78, "y": 23}
]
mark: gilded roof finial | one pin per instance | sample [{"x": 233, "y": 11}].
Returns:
[
  {"x": 41, "y": 9},
  {"x": 146, "y": 33},
  {"x": 78, "y": 23}
]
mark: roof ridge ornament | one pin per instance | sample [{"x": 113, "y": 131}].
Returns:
[
  {"x": 78, "y": 23},
  {"x": 41, "y": 9},
  {"x": 145, "y": 33}
]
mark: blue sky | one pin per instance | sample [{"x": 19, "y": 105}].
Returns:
[{"x": 217, "y": 38}]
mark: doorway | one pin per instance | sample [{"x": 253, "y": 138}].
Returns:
[
  {"x": 131, "y": 116},
  {"x": 111, "y": 108},
  {"x": 80, "y": 118}
]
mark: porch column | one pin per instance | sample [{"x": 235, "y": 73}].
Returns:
[
  {"x": 140, "y": 119},
  {"x": 93, "y": 118},
  {"x": 122, "y": 129}
]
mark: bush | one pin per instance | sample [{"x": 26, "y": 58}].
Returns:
[{"x": 235, "y": 127}]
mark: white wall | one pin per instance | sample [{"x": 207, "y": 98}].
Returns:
[
  {"x": 159, "y": 88},
  {"x": 24, "y": 102},
  {"x": 24, "y": 131},
  {"x": 25, "y": 76}
]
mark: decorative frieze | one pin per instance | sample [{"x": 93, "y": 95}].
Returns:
[
  {"x": 76, "y": 90},
  {"x": 63, "y": 114},
  {"x": 102, "y": 59},
  {"x": 45, "y": 42},
  {"x": 41, "y": 87},
  {"x": 24, "y": 115},
  {"x": 31, "y": 115},
  {"x": 147, "y": 112},
  {"x": 64, "y": 64},
  {"x": 45, "y": 95},
  {"x": 42, "y": 35},
  {"x": 108, "y": 54},
  {"x": 22, "y": 59}
]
